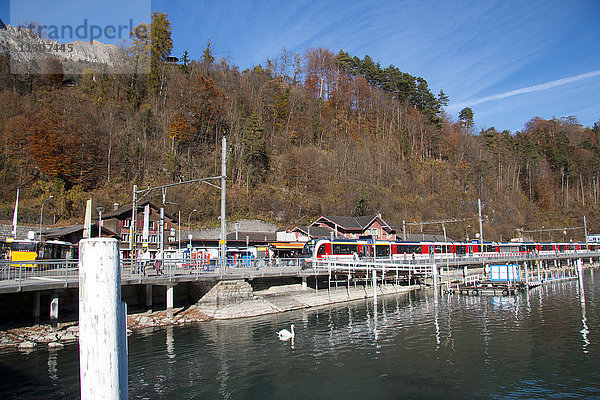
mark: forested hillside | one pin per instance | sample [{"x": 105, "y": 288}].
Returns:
[{"x": 318, "y": 133}]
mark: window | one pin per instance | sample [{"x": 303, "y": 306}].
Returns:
[
  {"x": 382, "y": 250},
  {"x": 408, "y": 249},
  {"x": 344, "y": 248}
]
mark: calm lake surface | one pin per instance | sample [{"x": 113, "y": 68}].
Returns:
[{"x": 542, "y": 344}]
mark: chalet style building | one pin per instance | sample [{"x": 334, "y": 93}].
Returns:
[
  {"x": 119, "y": 221},
  {"x": 345, "y": 227}
]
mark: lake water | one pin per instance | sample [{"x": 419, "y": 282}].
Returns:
[{"x": 542, "y": 344}]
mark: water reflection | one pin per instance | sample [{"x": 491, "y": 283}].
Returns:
[
  {"x": 409, "y": 346},
  {"x": 585, "y": 331},
  {"x": 52, "y": 364},
  {"x": 436, "y": 323},
  {"x": 170, "y": 343}
]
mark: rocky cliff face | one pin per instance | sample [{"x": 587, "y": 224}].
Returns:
[{"x": 24, "y": 45}]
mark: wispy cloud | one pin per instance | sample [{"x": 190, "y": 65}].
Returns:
[{"x": 529, "y": 89}]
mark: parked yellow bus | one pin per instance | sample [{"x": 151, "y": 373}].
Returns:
[{"x": 26, "y": 251}]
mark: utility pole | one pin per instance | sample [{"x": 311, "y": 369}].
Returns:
[
  {"x": 132, "y": 228},
  {"x": 480, "y": 223},
  {"x": 585, "y": 228},
  {"x": 144, "y": 192},
  {"x": 223, "y": 241}
]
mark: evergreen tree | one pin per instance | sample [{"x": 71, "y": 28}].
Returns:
[
  {"x": 466, "y": 118},
  {"x": 255, "y": 152},
  {"x": 161, "y": 45}
]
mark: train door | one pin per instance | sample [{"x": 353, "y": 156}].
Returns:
[
  {"x": 431, "y": 253},
  {"x": 366, "y": 251}
]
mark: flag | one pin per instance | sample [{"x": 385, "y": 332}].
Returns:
[
  {"x": 87, "y": 224},
  {"x": 146, "y": 229},
  {"x": 15, "y": 214}
]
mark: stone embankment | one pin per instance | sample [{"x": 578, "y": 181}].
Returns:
[
  {"x": 227, "y": 300},
  {"x": 286, "y": 298}
]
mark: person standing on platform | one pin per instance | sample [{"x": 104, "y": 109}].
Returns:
[
  {"x": 145, "y": 259},
  {"x": 158, "y": 262}
]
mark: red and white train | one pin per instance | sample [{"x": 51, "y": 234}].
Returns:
[{"x": 323, "y": 249}]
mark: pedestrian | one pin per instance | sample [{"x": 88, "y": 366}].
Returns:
[
  {"x": 158, "y": 263},
  {"x": 145, "y": 259}
]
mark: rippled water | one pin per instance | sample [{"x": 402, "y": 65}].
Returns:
[{"x": 544, "y": 344}]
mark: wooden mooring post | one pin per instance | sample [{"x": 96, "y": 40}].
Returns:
[{"x": 102, "y": 321}]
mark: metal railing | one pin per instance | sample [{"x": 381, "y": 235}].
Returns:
[
  {"x": 40, "y": 271},
  {"x": 64, "y": 271}
]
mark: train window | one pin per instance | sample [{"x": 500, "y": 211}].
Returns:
[
  {"x": 408, "y": 249},
  {"x": 382, "y": 250},
  {"x": 546, "y": 247},
  {"x": 321, "y": 250},
  {"x": 344, "y": 249}
]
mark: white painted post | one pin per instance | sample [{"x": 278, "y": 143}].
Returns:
[
  {"x": 526, "y": 274},
  {"x": 54, "y": 310},
  {"x": 170, "y": 291},
  {"x": 435, "y": 277},
  {"x": 102, "y": 321},
  {"x": 304, "y": 285}
]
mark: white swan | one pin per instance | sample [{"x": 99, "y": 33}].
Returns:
[{"x": 284, "y": 334}]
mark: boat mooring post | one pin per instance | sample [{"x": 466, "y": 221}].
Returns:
[
  {"x": 580, "y": 273},
  {"x": 102, "y": 321}
]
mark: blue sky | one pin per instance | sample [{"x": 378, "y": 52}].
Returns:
[{"x": 508, "y": 60}]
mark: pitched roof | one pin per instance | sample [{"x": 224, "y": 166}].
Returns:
[
  {"x": 349, "y": 222},
  {"x": 125, "y": 210},
  {"x": 68, "y": 230},
  {"x": 314, "y": 231},
  {"x": 358, "y": 223}
]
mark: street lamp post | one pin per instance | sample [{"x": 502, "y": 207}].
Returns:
[
  {"x": 42, "y": 214},
  {"x": 189, "y": 234},
  {"x": 100, "y": 211}
]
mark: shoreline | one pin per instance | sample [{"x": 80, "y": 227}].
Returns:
[{"x": 271, "y": 301}]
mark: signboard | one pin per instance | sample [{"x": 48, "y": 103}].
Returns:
[{"x": 505, "y": 272}]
